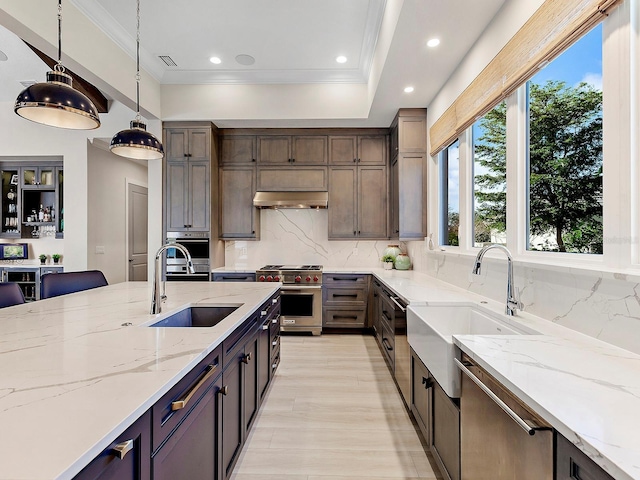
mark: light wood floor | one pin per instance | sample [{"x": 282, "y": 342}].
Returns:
[{"x": 332, "y": 412}]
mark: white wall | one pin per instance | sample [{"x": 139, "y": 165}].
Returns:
[
  {"x": 108, "y": 175},
  {"x": 20, "y": 137}
]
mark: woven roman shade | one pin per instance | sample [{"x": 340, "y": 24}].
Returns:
[{"x": 554, "y": 27}]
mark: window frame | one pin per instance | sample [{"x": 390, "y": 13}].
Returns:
[{"x": 621, "y": 163}]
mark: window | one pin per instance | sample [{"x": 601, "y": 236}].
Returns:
[
  {"x": 564, "y": 113},
  {"x": 450, "y": 194},
  {"x": 490, "y": 177}
]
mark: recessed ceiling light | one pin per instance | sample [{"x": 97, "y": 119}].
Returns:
[
  {"x": 408, "y": 89},
  {"x": 434, "y": 42},
  {"x": 244, "y": 59},
  {"x": 215, "y": 60},
  {"x": 341, "y": 59}
]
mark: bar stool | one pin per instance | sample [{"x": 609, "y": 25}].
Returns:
[
  {"x": 56, "y": 284},
  {"x": 10, "y": 294}
]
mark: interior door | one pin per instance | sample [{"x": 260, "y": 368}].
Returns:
[{"x": 137, "y": 232}]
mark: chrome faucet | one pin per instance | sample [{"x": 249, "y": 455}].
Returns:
[
  {"x": 513, "y": 302},
  {"x": 156, "y": 297}
]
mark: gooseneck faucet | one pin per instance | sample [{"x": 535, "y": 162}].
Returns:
[
  {"x": 156, "y": 297},
  {"x": 513, "y": 302}
]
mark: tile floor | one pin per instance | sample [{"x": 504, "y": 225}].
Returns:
[{"x": 333, "y": 412}]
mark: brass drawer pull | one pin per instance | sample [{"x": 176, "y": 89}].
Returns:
[
  {"x": 180, "y": 404},
  {"x": 123, "y": 448}
]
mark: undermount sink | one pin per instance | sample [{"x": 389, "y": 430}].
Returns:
[
  {"x": 204, "y": 316},
  {"x": 430, "y": 330}
]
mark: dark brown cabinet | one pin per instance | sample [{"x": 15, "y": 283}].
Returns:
[
  {"x": 344, "y": 300},
  {"x": 358, "y": 149},
  {"x": 239, "y": 219},
  {"x": 408, "y": 175},
  {"x": 239, "y": 149},
  {"x": 438, "y": 418},
  {"x": 26, "y": 189},
  {"x": 573, "y": 464},
  {"x": 358, "y": 202},
  {"x": 127, "y": 458},
  {"x": 374, "y": 310},
  {"x": 292, "y": 149},
  {"x": 188, "y": 179}
]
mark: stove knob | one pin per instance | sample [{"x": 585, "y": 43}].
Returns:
[
  {"x": 276, "y": 278},
  {"x": 269, "y": 278},
  {"x": 298, "y": 279},
  {"x": 315, "y": 279},
  {"x": 261, "y": 278},
  {"x": 308, "y": 279}
]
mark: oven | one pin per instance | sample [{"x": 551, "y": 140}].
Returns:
[
  {"x": 300, "y": 296},
  {"x": 197, "y": 244}
]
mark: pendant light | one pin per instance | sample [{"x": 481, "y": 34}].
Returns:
[
  {"x": 136, "y": 142},
  {"x": 56, "y": 102}
]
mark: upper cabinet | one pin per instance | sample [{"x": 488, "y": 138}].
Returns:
[
  {"x": 31, "y": 202},
  {"x": 408, "y": 174},
  {"x": 188, "y": 179},
  {"x": 238, "y": 150},
  {"x": 292, "y": 150},
  {"x": 358, "y": 149}
]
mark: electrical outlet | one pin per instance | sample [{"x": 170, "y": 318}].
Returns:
[{"x": 99, "y": 249}]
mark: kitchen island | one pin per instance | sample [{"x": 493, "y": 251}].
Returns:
[{"x": 77, "y": 370}]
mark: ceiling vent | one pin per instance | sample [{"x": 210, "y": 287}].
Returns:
[{"x": 168, "y": 60}]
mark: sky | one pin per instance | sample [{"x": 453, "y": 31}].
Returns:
[{"x": 582, "y": 62}]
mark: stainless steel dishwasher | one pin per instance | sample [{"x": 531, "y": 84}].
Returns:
[{"x": 501, "y": 439}]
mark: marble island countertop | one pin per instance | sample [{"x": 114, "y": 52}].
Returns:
[{"x": 76, "y": 370}]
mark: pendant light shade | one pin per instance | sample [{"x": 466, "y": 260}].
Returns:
[
  {"x": 136, "y": 142},
  {"x": 56, "y": 102}
]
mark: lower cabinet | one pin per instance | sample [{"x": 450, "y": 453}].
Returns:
[
  {"x": 191, "y": 449},
  {"x": 197, "y": 429},
  {"x": 572, "y": 464},
  {"x": 127, "y": 458},
  {"x": 344, "y": 301},
  {"x": 438, "y": 418}
]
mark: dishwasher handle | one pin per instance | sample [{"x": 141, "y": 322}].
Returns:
[
  {"x": 400, "y": 306},
  {"x": 530, "y": 429}
]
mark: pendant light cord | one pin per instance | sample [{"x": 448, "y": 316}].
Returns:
[
  {"x": 58, "y": 67},
  {"x": 138, "y": 62}
]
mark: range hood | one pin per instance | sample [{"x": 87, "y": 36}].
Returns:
[{"x": 291, "y": 199}]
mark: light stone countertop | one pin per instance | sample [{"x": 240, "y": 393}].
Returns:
[
  {"x": 72, "y": 377},
  {"x": 587, "y": 389}
]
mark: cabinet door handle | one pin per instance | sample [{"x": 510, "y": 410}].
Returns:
[
  {"x": 386, "y": 344},
  {"x": 275, "y": 300},
  {"x": 350, "y": 295},
  {"x": 275, "y": 320},
  {"x": 355, "y": 160},
  {"x": 224, "y": 390},
  {"x": 274, "y": 343},
  {"x": 246, "y": 358},
  {"x": 180, "y": 404},
  {"x": 427, "y": 382},
  {"x": 346, "y": 317},
  {"x": 293, "y": 160},
  {"x": 123, "y": 448},
  {"x": 265, "y": 327},
  {"x": 345, "y": 279},
  {"x": 253, "y": 159}
]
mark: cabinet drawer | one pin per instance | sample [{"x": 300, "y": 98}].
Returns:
[
  {"x": 343, "y": 318},
  {"x": 194, "y": 384},
  {"x": 275, "y": 361},
  {"x": 339, "y": 296},
  {"x": 234, "y": 277},
  {"x": 275, "y": 346},
  {"x": 344, "y": 280},
  {"x": 387, "y": 343},
  {"x": 234, "y": 343}
]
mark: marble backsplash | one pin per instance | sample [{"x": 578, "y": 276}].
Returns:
[
  {"x": 603, "y": 305},
  {"x": 599, "y": 304},
  {"x": 292, "y": 236}
]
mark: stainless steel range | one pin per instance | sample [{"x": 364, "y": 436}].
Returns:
[{"x": 301, "y": 295}]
